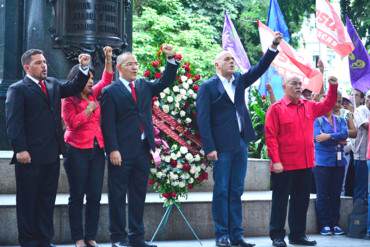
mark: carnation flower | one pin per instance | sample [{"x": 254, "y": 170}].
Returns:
[
  {"x": 166, "y": 108},
  {"x": 184, "y": 150}
]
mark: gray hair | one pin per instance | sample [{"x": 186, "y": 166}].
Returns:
[{"x": 122, "y": 57}]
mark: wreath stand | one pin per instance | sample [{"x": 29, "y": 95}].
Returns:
[{"x": 165, "y": 218}]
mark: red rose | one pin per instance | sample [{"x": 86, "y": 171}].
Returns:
[
  {"x": 151, "y": 181},
  {"x": 173, "y": 194},
  {"x": 196, "y": 88},
  {"x": 186, "y": 66},
  {"x": 196, "y": 77},
  {"x": 188, "y": 75},
  {"x": 173, "y": 163},
  {"x": 155, "y": 63},
  {"x": 186, "y": 167},
  {"x": 190, "y": 186},
  {"x": 178, "y": 57},
  {"x": 157, "y": 75},
  {"x": 166, "y": 195},
  {"x": 147, "y": 73}
]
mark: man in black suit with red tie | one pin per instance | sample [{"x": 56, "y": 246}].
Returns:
[
  {"x": 128, "y": 133},
  {"x": 35, "y": 132}
]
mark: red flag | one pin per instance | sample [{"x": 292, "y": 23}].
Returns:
[
  {"x": 330, "y": 29},
  {"x": 289, "y": 63}
]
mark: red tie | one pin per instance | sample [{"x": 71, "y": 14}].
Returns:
[
  {"x": 43, "y": 87},
  {"x": 133, "y": 92}
]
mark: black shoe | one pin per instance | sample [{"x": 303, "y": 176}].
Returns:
[
  {"x": 241, "y": 243},
  {"x": 142, "y": 244},
  {"x": 278, "y": 242},
  {"x": 303, "y": 241},
  {"x": 89, "y": 245},
  {"x": 121, "y": 244},
  {"x": 223, "y": 242}
]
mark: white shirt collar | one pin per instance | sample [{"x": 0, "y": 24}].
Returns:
[
  {"x": 224, "y": 80},
  {"x": 33, "y": 79}
]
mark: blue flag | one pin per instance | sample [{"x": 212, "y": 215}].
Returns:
[{"x": 276, "y": 22}]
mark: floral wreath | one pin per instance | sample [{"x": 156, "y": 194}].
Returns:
[{"x": 182, "y": 165}]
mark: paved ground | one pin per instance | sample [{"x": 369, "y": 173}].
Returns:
[{"x": 331, "y": 241}]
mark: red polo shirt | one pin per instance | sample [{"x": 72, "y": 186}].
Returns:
[
  {"x": 81, "y": 129},
  {"x": 289, "y": 130}
]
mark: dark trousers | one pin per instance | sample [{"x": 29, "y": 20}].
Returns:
[
  {"x": 36, "y": 186},
  {"x": 85, "y": 172},
  {"x": 360, "y": 189},
  {"x": 229, "y": 172},
  {"x": 328, "y": 186},
  {"x": 297, "y": 185},
  {"x": 130, "y": 178}
]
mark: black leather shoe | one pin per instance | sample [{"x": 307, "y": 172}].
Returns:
[
  {"x": 303, "y": 241},
  {"x": 121, "y": 244},
  {"x": 223, "y": 242},
  {"x": 142, "y": 244},
  {"x": 241, "y": 243},
  {"x": 278, "y": 242}
]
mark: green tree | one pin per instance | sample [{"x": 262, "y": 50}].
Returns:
[{"x": 167, "y": 21}]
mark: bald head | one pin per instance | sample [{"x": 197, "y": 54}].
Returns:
[{"x": 225, "y": 64}]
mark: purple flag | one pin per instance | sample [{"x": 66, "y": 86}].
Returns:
[
  {"x": 359, "y": 60},
  {"x": 231, "y": 43}
]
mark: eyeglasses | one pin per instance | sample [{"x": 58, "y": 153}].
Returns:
[{"x": 130, "y": 64}]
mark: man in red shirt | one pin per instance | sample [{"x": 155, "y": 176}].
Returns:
[{"x": 289, "y": 140}]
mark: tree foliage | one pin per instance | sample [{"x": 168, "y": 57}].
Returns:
[
  {"x": 358, "y": 11},
  {"x": 167, "y": 21}
]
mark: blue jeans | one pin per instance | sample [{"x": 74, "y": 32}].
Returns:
[
  {"x": 229, "y": 172},
  {"x": 328, "y": 187},
  {"x": 368, "y": 197},
  {"x": 360, "y": 188}
]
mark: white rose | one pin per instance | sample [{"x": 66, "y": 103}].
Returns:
[
  {"x": 174, "y": 112},
  {"x": 166, "y": 91},
  {"x": 177, "y": 105},
  {"x": 183, "y": 176},
  {"x": 187, "y": 175},
  {"x": 187, "y": 120},
  {"x": 184, "y": 97},
  {"x": 170, "y": 99},
  {"x": 192, "y": 170},
  {"x": 182, "y": 92},
  {"x": 189, "y": 157},
  {"x": 196, "y": 175},
  {"x": 194, "y": 97},
  {"x": 190, "y": 92},
  {"x": 173, "y": 156},
  {"x": 191, "y": 180},
  {"x": 182, "y": 184},
  {"x": 184, "y": 150},
  {"x": 183, "y": 78},
  {"x": 185, "y": 85},
  {"x": 198, "y": 168},
  {"x": 189, "y": 81},
  {"x": 162, "y": 95},
  {"x": 179, "y": 165},
  {"x": 178, "y": 154},
  {"x": 203, "y": 166},
  {"x": 197, "y": 157},
  {"x": 178, "y": 97},
  {"x": 161, "y": 69},
  {"x": 182, "y": 113},
  {"x": 175, "y": 183},
  {"x": 159, "y": 174},
  {"x": 167, "y": 159},
  {"x": 176, "y": 89},
  {"x": 153, "y": 170},
  {"x": 166, "y": 108}
]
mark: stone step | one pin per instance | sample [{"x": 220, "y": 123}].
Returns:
[
  {"x": 197, "y": 209},
  {"x": 258, "y": 178}
]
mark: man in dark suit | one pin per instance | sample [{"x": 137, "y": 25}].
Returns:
[
  {"x": 225, "y": 129},
  {"x": 35, "y": 132},
  {"x": 128, "y": 134}
]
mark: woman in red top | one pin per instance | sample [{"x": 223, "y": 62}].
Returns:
[{"x": 85, "y": 160}]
